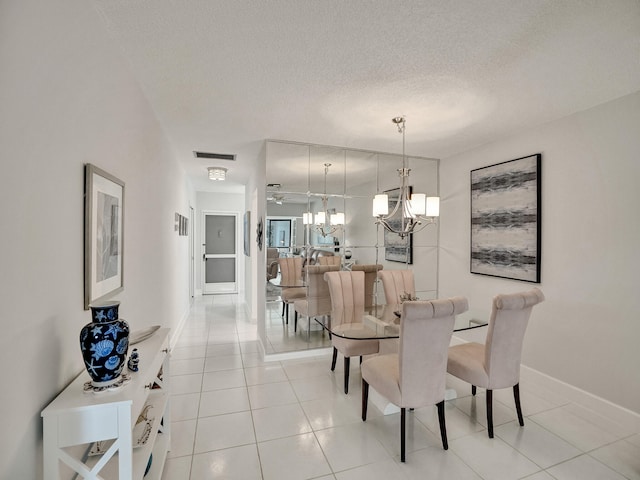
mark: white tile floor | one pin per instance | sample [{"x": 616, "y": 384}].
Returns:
[{"x": 235, "y": 416}]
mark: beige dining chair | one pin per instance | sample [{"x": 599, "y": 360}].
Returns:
[
  {"x": 290, "y": 274},
  {"x": 318, "y": 299},
  {"x": 272, "y": 263},
  {"x": 370, "y": 276},
  {"x": 496, "y": 364},
  {"x": 397, "y": 283},
  {"x": 347, "y": 292},
  {"x": 416, "y": 375},
  {"x": 330, "y": 260}
]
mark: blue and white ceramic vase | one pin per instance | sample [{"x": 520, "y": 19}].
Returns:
[{"x": 104, "y": 343}]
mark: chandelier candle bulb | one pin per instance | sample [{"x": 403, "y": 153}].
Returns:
[
  {"x": 433, "y": 206},
  {"x": 380, "y": 205},
  {"x": 417, "y": 204},
  {"x": 307, "y": 218},
  {"x": 337, "y": 218}
]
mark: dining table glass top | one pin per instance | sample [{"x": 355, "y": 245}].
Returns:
[{"x": 379, "y": 321}]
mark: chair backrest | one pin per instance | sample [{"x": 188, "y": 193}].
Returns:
[
  {"x": 505, "y": 334},
  {"x": 396, "y": 283},
  {"x": 330, "y": 260},
  {"x": 425, "y": 334},
  {"x": 318, "y": 296},
  {"x": 290, "y": 270},
  {"x": 346, "y": 289},
  {"x": 370, "y": 275},
  {"x": 272, "y": 254}
]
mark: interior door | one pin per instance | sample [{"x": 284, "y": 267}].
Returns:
[{"x": 220, "y": 253}]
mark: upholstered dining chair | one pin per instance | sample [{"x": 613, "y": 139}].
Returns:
[
  {"x": 347, "y": 292},
  {"x": 272, "y": 263},
  {"x": 318, "y": 299},
  {"x": 397, "y": 283},
  {"x": 330, "y": 260},
  {"x": 496, "y": 364},
  {"x": 290, "y": 274},
  {"x": 416, "y": 375},
  {"x": 370, "y": 276}
]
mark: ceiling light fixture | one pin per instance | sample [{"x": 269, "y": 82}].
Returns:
[
  {"x": 328, "y": 221},
  {"x": 217, "y": 173},
  {"x": 416, "y": 211}
]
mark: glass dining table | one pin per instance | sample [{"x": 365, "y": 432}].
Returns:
[{"x": 380, "y": 322}]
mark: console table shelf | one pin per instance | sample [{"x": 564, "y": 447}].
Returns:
[{"x": 77, "y": 424}]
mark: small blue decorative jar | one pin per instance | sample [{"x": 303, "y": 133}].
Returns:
[{"x": 104, "y": 343}]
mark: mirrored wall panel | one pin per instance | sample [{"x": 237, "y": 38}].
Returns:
[{"x": 319, "y": 204}]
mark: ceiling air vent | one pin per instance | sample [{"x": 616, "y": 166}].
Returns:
[{"x": 215, "y": 156}]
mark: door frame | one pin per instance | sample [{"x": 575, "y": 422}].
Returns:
[{"x": 227, "y": 287}]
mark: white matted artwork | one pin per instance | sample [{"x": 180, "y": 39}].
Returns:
[
  {"x": 104, "y": 235},
  {"x": 505, "y": 219}
]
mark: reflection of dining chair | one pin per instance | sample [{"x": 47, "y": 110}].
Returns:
[
  {"x": 496, "y": 364},
  {"x": 416, "y": 375},
  {"x": 330, "y": 260},
  {"x": 397, "y": 283},
  {"x": 272, "y": 263},
  {"x": 318, "y": 299},
  {"x": 347, "y": 291},
  {"x": 290, "y": 274},
  {"x": 370, "y": 276}
]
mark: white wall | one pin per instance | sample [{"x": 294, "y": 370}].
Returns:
[
  {"x": 68, "y": 99},
  {"x": 586, "y": 332}
]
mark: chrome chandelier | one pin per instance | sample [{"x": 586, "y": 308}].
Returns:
[
  {"x": 327, "y": 221},
  {"x": 416, "y": 210}
]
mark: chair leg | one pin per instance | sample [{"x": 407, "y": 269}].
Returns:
[
  {"x": 283, "y": 304},
  {"x": 403, "y": 418},
  {"x": 360, "y": 359},
  {"x": 347, "y": 365},
  {"x": 490, "y": 412},
  {"x": 295, "y": 321},
  {"x": 365, "y": 399},
  {"x": 443, "y": 426},
  {"x": 516, "y": 397},
  {"x": 287, "y": 313},
  {"x": 333, "y": 360},
  {"x": 473, "y": 389}
]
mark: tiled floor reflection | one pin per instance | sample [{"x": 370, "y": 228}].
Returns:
[{"x": 238, "y": 417}]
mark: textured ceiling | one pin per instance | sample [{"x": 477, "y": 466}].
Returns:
[{"x": 223, "y": 76}]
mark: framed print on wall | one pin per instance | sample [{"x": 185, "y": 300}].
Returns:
[
  {"x": 396, "y": 248},
  {"x": 103, "y": 235},
  {"x": 505, "y": 219},
  {"x": 247, "y": 241}
]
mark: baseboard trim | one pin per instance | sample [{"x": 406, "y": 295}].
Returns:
[
  {"x": 175, "y": 334},
  {"x": 599, "y": 405}
]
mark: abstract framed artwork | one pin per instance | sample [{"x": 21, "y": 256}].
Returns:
[
  {"x": 505, "y": 219},
  {"x": 103, "y": 235},
  {"x": 396, "y": 248}
]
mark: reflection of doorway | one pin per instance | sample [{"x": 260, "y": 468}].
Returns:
[
  {"x": 220, "y": 256},
  {"x": 192, "y": 264},
  {"x": 278, "y": 233}
]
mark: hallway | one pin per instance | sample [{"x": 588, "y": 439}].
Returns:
[{"x": 236, "y": 416}]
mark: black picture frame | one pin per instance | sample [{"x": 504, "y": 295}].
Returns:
[
  {"x": 103, "y": 235},
  {"x": 397, "y": 248},
  {"x": 506, "y": 219}
]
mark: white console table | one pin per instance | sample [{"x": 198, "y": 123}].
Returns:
[{"x": 79, "y": 423}]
